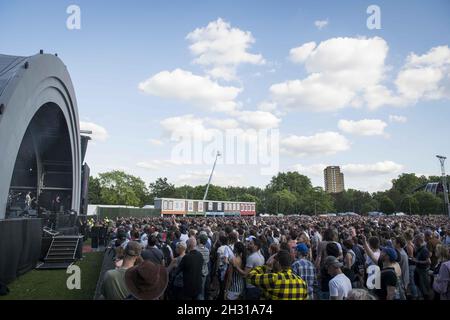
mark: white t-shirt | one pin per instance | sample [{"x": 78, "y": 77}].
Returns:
[
  {"x": 184, "y": 237},
  {"x": 340, "y": 286}
]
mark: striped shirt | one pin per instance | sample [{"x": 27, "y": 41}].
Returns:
[
  {"x": 283, "y": 285},
  {"x": 306, "y": 270},
  {"x": 237, "y": 282}
]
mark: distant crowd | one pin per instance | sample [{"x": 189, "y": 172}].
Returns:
[{"x": 288, "y": 258}]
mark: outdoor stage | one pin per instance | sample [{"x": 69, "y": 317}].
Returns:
[{"x": 42, "y": 156}]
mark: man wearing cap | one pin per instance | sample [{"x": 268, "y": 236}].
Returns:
[
  {"x": 389, "y": 282},
  {"x": 277, "y": 281},
  {"x": 305, "y": 269},
  {"x": 113, "y": 285},
  {"x": 339, "y": 285}
]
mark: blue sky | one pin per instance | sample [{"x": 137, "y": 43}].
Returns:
[{"x": 375, "y": 102}]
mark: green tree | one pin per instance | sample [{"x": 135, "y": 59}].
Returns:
[
  {"x": 282, "y": 202},
  {"x": 161, "y": 188},
  {"x": 428, "y": 203},
  {"x": 291, "y": 181},
  {"x": 367, "y": 207},
  {"x": 316, "y": 201},
  {"x": 387, "y": 205},
  {"x": 94, "y": 191},
  {"x": 410, "y": 205},
  {"x": 120, "y": 188},
  {"x": 406, "y": 183}
]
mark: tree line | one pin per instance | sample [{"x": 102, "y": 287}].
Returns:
[{"x": 287, "y": 193}]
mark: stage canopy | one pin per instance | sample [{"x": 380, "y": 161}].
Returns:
[{"x": 39, "y": 132}]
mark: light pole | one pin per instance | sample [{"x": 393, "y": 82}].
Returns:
[
  {"x": 210, "y": 176},
  {"x": 444, "y": 183}
]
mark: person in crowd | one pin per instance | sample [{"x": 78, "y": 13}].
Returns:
[
  {"x": 175, "y": 275},
  {"x": 235, "y": 282},
  {"x": 339, "y": 285},
  {"x": 277, "y": 281},
  {"x": 446, "y": 236},
  {"x": 390, "y": 280},
  {"x": 441, "y": 283},
  {"x": 350, "y": 261},
  {"x": 224, "y": 256},
  {"x": 177, "y": 236},
  {"x": 412, "y": 291},
  {"x": 342, "y": 238},
  {"x": 184, "y": 233},
  {"x": 400, "y": 244},
  {"x": 423, "y": 262},
  {"x": 192, "y": 268},
  {"x": 153, "y": 253},
  {"x": 274, "y": 248},
  {"x": 432, "y": 241},
  {"x": 305, "y": 269},
  {"x": 203, "y": 239},
  {"x": 372, "y": 246},
  {"x": 331, "y": 249},
  {"x": 146, "y": 281},
  {"x": 113, "y": 285},
  {"x": 255, "y": 259}
]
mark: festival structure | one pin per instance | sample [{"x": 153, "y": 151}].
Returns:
[
  {"x": 43, "y": 182},
  {"x": 189, "y": 207}
]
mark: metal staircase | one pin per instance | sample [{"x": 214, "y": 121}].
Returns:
[{"x": 61, "y": 253}]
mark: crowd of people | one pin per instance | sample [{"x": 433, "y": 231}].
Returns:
[{"x": 289, "y": 258}]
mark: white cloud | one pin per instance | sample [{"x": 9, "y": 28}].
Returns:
[
  {"x": 340, "y": 71},
  {"x": 223, "y": 124},
  {"x": 314, "y": 169},
  {"x": 345, "y": 72},
  {"x": 379, "y": 168},
  {"x": 320, "y": 24},
  {"x": 437, "y": 56},
  {"x": 258, "y": 119},
  {"x": 185, "y": 86},
  {"x": 222, "y": 48},
  {"x": 425, "y": 76},
  {"x": 99, "y": 133},
  {"x": 300, "y": 54},
  {"x": 422, "y": 77},
  {"x": 365, "y": 127},
  {"x": 324, "y": 143},
  {"x": 416, "y": 83},
  {"x": 267, "y": 106},
  {"x": 187, "y": 126},
  {"x": 155, "y": 142},
  {"x": 398, "y": 119}
]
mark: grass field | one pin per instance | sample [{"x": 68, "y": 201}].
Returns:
[{"x": 51, "y": 284}]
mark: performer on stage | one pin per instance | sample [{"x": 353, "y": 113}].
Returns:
[
  {"x": 28, "y": 201},
  {"x": 57, "y": 204}
]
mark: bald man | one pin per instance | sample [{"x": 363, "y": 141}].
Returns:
[{"x": 191, "y": 266}]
